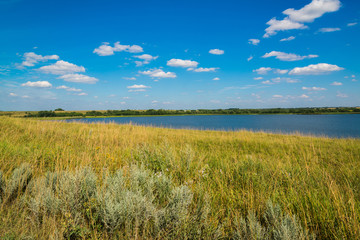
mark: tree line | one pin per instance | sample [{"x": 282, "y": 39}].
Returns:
[{"x": 230, "y": 111}]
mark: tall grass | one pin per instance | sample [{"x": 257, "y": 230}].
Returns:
[{"x": 224, "y": 178}]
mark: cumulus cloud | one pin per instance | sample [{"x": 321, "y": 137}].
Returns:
[
  {"x": 138, "y": 88},
  {"x": 216, "y": 51},
  {"x": 287, "y": 56},
  {"x": 107, "y": 50},
  {"x": 258, "y": 78},
  {"x": 182, "y": 63},
  {"x": 281, "y": 25},
  {"x": 295, "y": 18},
  {"x": 82, "y": 94},
  {"x": 277, "y": 96},
  {"x": 268, "y": 82},
  {"x": 216, "y": 79},
  {"x": 254, "y": 41},
  {"x": 325, "y": 30},
  {"x": 313, "y": 88},
  {"x": 250, "y": 58},
  {"x": 12, "y": 94},
  {"x": 304, "y": 96},
  {"x": 159, "y": 73},
  {"x": 61, "y": 67},
  {"x": 212, "y": 69},
  {"x": 336, "y": 84},
  {"x": 313, "y": 10},
  {"x": 280, "y": 71},
  {"x": 263, "y": 70},
  {"x": 32, "y": 58},
  {"x": 135, "y": 86},
  {"x": 287, "y": 39},
  {"x": 38, "y": 84},
  {"x": 78, "y": 78},
  {"x": 315, "y": 69},
  {"x": 69, "y": 89},
  {"x": 147, "y": 58}
]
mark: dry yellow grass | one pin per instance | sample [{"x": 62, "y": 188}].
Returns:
[{"x": 318, "y": 179}]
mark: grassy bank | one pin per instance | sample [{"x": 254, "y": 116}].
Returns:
[{"x": 224, "y": 176}]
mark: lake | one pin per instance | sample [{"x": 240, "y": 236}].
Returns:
[{"x": 339, "y": 125}]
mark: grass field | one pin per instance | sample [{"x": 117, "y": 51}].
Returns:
[{"x": 194, "y": 184}]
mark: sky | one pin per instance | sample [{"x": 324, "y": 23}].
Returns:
[{"x": 179, "y": 54}]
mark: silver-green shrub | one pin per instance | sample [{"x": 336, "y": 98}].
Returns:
[
  {"x": 276, "y": 226},
  {"x": 131, "y": 202},
  {"x": 18, "y": 181}
]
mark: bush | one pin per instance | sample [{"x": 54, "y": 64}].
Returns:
[
  {"x": 18, "y": 181},
  {"x": 130, "y": 203},
  {"x": 276, "y": 225}
]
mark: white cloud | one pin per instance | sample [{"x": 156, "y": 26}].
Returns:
[
  {"x": 32, "y": 58},
  {"x": 213, "y": 69},
  {"x": 296, "y": 18},
  {"x": 336, "y": 84},
  {"x": 287, "y": 39},
  {"x": 25, "y": 96},
  {"x": 280, "y": 71},
  {"x": 315, "y": 69},
  {"x": 182, "y": 63},
  {"x": 287, "y": 56},
  {"x": 216, "y": 79},
  {"x": 250, "y": 58},
  {"x": 135, "y": 86},
  {"x": 281, "y": 25},
  {"x": 107, "y": 50},
  {"x": 254, "y": 41},
  {"x": 325, "y": 30},
  {"x": 258, "y": 78},
  {"x": 313, "y": 10},
  {"x": 130, "y": 78},
  {"x": 352, "y": 24},
  {"x": 38, "y": 84},
  {"x": 135, "y": 49},
  {"x": 304, "y": 96},
  {"x": 61, "y": 67},
  {"x": 78, "y": 78},
  {"x": 147, "y": 58},
  {"x": 268, "y": 82},
  {"x": 313, "y": 88},
  {"x": 277, "y": 96},
  {"x": 137, "y": 90},
  {"x": 216, "y": 51},
  {"x": 288, "y": 80},
  {"x": 154, "y": 101},
  {"x": 12, "y": 94},
  {"x": 159, "y": 73},
  {"x": 342, "y": 95},
  {"x": 69, "y": 89},
  {"x": 82, "y": 94},
  {"x": 263, "y": 70}
]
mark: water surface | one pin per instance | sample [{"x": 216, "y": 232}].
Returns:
[{"x": 339, "y": 125}]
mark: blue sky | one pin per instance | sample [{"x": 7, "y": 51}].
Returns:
[{"x": 82, "y": 55}]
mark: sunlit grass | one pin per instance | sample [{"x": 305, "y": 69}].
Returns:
[{"x": 315, "y": 179}]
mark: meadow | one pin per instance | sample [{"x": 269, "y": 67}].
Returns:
[{"x": 106, "y": 181}]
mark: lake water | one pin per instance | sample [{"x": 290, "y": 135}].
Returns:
[{"x": 340, "y": 125}]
